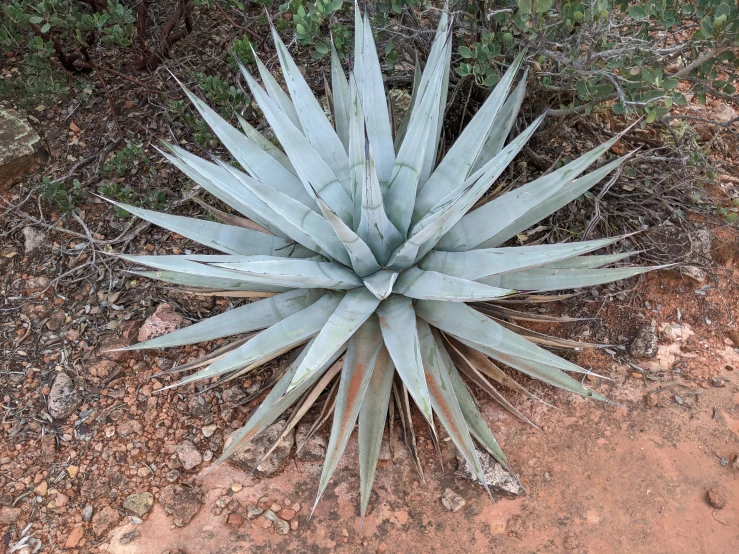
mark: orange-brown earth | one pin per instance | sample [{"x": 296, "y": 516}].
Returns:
[{"x": 599, "y": 478}]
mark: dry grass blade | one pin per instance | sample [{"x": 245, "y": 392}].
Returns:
[
  {"x": 409, "y": 435},
  {"x": 305, "y": 404},
  {"x": 209, "y": 358},
  {"x": 326, "y": 411},
  {"x": 228, "y": 293},
  {"x": 545, "y": 340},
  {"x": 464, "y": 355},
  {"x": 230, "y": 219},
  {"x": 508, "y": 313},
  {"x": 479, "y": 379},
  {"x": 535, "y": 298}
]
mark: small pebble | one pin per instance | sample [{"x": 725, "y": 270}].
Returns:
[
  {"x": 716, "y": 498},
  {"x": 294, "y": 525},
  {"x": 236, "y": 487},
  {"x": 87, "y": 513},
  {"x": 235, "y": 521},
  {"x": 275, "y": 507},
  {"x": 253, "y": 512},
  {"x": 208, "y": 430},
  {"x": 452, "y": 501},
  {"x": 282, "y": 526}
]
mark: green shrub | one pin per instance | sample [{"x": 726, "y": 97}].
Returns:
[
  {"x": 29, "y": 27},
  {"x": 631, "y": 53}
]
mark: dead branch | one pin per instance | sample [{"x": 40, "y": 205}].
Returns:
[{"x": 152, "y": 59}]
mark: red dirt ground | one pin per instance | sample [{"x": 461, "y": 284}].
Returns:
[{"x": 599, "y": 479}]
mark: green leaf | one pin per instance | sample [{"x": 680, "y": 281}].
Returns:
[
  {"x": 492, "y": 339},
  {"x": 362, "y": 260},
  {"x": 296, "y": 219},
  {"x": 398, "y": 324},
  {"x": 355, "y": 308},
  {"x": 465, "y": 52},
  {"x": 430, "y": 285},
  {"x": 359, "y": 364},
  {"x": 300, "y": 29},
  {"x": 707, "y": 27},
  {"x": 500, "y": 130},
  {"x": 368, "y": 76},
  {"x": 441, "y": 54},
  {"x": 476, "y": 264},
  {"x": 491, "y": 80},
  {"x": 524, "y": 6},
  {"x": 437, "y": 365},
  {"x": 543, "y": 6},
  {"x": 548, "y": 279},
  {"x": 260, "y": 140},
  {"x": 321, "y": 48},
  {"x": 520, "y": 208},
  {"x": 250, "y": 317},
  {"x": 637, "y": 12},
  {"x": 224, "y": 238},
  {"x": 293, "y": 273},
  {"x": 317, "y": 128},
  {"x": 273, "y": 341},
  {"x": 275, "y": 91},
  {"x": 370, "y": 218},
  {"x": 372, "y": 416},
  {"x": 618, "y": 108},
  {"x": 449, "y": 210},
  {"x": 405, "y": 177},
  {"x": 255, "y": 160},
  {"x": 210, "y": 282},
  {"x": 670, "y": 84},
  {"x": 317, "y": 176},
  {"x": 381, "y": 283},
  {"x": 455, "y": 168},
  {"x": 341, "y": 97}
]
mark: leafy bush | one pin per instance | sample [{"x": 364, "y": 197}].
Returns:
[
  {"x": 631, "y": 53},
  {"x": 30, "y": 25}
]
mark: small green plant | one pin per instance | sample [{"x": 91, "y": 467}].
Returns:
[
  {"x": 124, "y": 161},
  {"x": 220, "y": 94},
  {"x": 308, "y": 18},
  {"x": 30, "y": 27},
  {"x": 153, "y": 198},
  {"x": 57, "y": 193},
  {"x": 479, "y": 60},
  {"x": 241, "y": 50}
]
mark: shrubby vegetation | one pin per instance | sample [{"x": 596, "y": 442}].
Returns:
[
  {"x": 584, "y": 53},
  {"x": 626, "y": 56}
]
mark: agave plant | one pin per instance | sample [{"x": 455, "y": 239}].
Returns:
[{"x": 380, "y": 267}]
